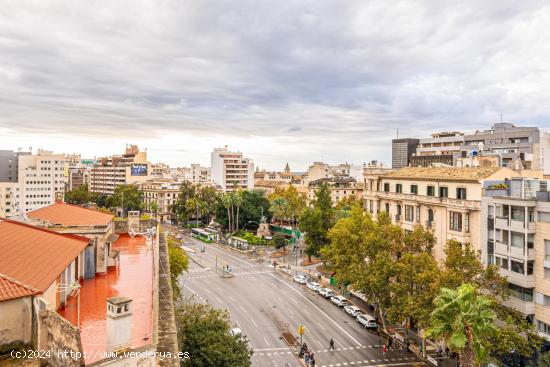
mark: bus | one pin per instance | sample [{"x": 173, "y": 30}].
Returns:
[{"x": 202, "y": 235}]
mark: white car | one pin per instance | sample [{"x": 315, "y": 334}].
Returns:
[
  {"x": 236, "y": 332},
  {"x": 353, "y": 310},
  {"x": 313, "y": 286},
  {"x": 367, "y": 321},
  {"x": 302, "y": 279},
  {"x": 339, "y": 301},
  {"x": 326, "y": 292}
]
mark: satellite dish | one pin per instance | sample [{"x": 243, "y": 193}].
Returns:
[{"x": 474, "y": 153}]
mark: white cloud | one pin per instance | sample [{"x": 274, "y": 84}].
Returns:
[{"x": 282, "y": 81}]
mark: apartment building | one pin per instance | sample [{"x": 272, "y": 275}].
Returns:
[
  {"x": 402, "y": 151},
  {"x": 199, "y": 174},
  {"x": 230, "y": 170},
  {"x": 517, "y": 147},
  {"x": 129, "y": 168},
  {"x": 440, "y": 148},
  {"x": 164, "y": 194},
  {"x": 444, "y": 200},
  {"x": 515, "y": 233},
  {"x": 9, "y": 163}
]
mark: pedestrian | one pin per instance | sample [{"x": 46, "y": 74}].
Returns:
[
  {"x": 400, "y": 348},
  {"x": 438, "y": 350},
  {"x": 331, "y": 345},
  {"x": 408, "y": 346},
  {"x": 312, "y": 360},
  {"x": 421, "y": 350},
  {"x": 306, "y": 359},
  {"x": 447, "y": 350},
  {"x": 384, "y": 350}
]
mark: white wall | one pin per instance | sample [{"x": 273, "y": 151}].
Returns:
[{"x": 16, "y": 321}]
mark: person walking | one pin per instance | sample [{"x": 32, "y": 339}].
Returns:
[
  {"x": 384, "y": 350},
  {"x": 331, "y": 345},
  {"x": 312, "y": 359},
  {"x": 306, "y": 358}
]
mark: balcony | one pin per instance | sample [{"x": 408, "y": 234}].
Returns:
[
  {"x": 526, "y": 281},
  {"x": 517, "y": 225},
  {"x": 526, "y": 308},
  {"x": 501, "y": 222},
  {"x": 501, "y": 248}
]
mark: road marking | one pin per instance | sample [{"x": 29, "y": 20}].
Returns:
[
  {"x": 242, "y": 308},
  {"x": 270, "y": 349},
  {"x": 317, "y": 307},
  {"x": 266, "y": 342},
  {"x": 219, "y": 300},
  {"x": 254, "y": 322}
]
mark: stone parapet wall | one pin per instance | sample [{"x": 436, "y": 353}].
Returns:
[{"x": 59, "y": 337}]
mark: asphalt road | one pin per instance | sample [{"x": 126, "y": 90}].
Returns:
[{"x": 262, "y": 302}]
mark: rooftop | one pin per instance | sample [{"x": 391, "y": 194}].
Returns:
[
  {"x": 473, "y": 174},
  {"x": 33, "y": 257},
  {"x": 133, "y": 278},
  {"x": 70, "y": 215},
  {"x": 11, "y": 289}
]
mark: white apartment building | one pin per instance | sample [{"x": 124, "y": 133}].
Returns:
[
  {"x": 129, "y": 168},
  {"x": 199, "y": 174},
  {"x": 231, "y": 169},
  {"x": 164, "y": 194}
]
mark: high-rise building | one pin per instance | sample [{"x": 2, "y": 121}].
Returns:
[
  {"x": 441, "y": 148},
  {"x": 230, "y": 170},
  {"x": 8, "y": 165},
  {"x": 402, "y": 151},
  {"x": 129, "y": 168}
]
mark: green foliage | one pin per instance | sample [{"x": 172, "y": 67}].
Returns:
[
  {"x": 280, "y": 208},
  {"x": 465, "y": 320},
  {"x": 317, "y": 220},
  {"x": 544, "y": 360},
  {"x": 250, "y": 238},
  {"x": 129, "y": 197},
  {"x": 280, "y": 241},
  {"x": 82, "y": 195},
  {"x": 179, "y": 262},
  {"x": 203, "y": 331},
  {"x": 183, "y": 207},
  {"x": 250, "y": 210},
  {"x": 287, "y": 204}
]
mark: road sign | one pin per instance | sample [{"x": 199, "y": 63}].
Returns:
[{"x": 301, "y": 330}]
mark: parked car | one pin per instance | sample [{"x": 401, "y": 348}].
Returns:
[
  {"x": 367, "y": 321},
  {"x": 302, "y": 279},
  {"x": 313, "y": 286},
  {"x": 326, "y": 292},
  {"x": 353, "y": 310},
  {"x": 339, "y": 301}
]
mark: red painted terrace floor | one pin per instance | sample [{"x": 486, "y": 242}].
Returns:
[{"x": 132, "y": 278}]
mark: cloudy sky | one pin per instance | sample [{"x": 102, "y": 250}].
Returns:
[{"x": 282, "y": 81}]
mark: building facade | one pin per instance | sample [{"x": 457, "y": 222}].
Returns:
[
  {"x": 340, "y": 188},
  {"x": 230, "y": 170},
  {"x": 443, "y": 200},
  {"x": 129, "y": 168},
  {"x": 515, "y": 234},
  {"x": 402, "y": 151},
  {"x": 164, "y": 194}
]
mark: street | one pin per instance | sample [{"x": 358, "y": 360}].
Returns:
[{"x": 263, "y": 302}]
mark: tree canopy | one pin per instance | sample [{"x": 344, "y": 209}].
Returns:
[{"x": 127, "y": 197}]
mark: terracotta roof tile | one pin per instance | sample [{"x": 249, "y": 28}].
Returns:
[
  {"x": 70, "y": 215},
  {"x": 11, "y": 289},
  {"x": 36, "y": 256}
]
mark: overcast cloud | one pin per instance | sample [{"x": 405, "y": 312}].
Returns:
[{"x": 282, "y": 81}]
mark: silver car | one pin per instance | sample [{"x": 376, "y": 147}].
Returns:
[{"x": 353, "y": 310}]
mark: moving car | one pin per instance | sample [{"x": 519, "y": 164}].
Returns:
[
  {"x": 353, "y": 310},
  {"x": 339, "y": 301},
  {"x": 313, "y": 286},
  {"x": 367, "y": 321},
  {"x": 326, "y": 292},
  {"x": 302, "y": 279}
]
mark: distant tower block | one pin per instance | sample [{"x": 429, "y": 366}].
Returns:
[{"x": 119, "y": 323}]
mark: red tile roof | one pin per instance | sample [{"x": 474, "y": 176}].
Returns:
[
  {"x": 70, "y": 215},
  {"x": 11, "y": 289},
  {"x": 35, "y": 256}
]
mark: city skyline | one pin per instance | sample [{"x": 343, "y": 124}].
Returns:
[{"x": 312, "y": 81}]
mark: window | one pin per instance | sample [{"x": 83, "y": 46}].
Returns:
[
  {"x": 518, "y": 292},
  {"x": 505, "y": 236},
  {"x": 502, "y": 262},
  {"x": 430, "y": 190},
  {"x": 517, "y": 266},
  {"x": 518, "y": 213},
  {"x": 386, "y": 187},
  {"x": 398, "y": 209},
  {"x": 547, "y": 250},
  {"x": 414, "y": 189},
  {"x": 543, "y": 328},
  {"x": 461, "y": 193},
  {"x": 398, "y": 188},
  {"x": 387, "y": 208},
  {"x": 530, "y": 267},
  {"x": 443, "y": 192},
  {"x": 409, "y": 213},
  {"x": 455, "y": 221},
  {"x": 518, "y": 240},
  {"x": 430, "y": 215}
]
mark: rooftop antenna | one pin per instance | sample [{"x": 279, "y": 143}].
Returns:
[
  {"x": 397, "y": 133},
  {"x": 501, "y": 118}
]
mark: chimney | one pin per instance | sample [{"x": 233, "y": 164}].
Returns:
[
  {"x": 59, "y": 197},
  {"x": 119, "y": 323}
]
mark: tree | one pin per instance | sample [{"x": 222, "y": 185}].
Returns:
[
  {"x": 209, "y": 200},
  {"x": 181, "y": 208},
  {"x": 238, "y": 201},
  {"x": 463, "y": 265},
  {"x": 464, "y": 319},
  {"x": 203, "y": 331},
  {"x": 317, "y": 220},
  {"x": 154, "y": 207},
  {"x": 254, "y": 203},
  {"x": 295, "y": 202},
  {"x": 279, "y": 207},
  {"x": 544, "y": 360},
  {"x": 179, "y": 262},
  {"x": 81, "y": 195},
  {"x": 280, "y": 241},
  {"x": 127, "y": 197}
]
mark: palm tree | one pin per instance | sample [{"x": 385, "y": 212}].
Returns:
[
  {"x": 463, "y": 318},
  {"x": 227, "y": 200},
  {"x": 238, "y": 201}
]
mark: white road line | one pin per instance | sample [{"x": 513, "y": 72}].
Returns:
[
  {"x": 242, "y": 308},
  {"x": 270, "y": 349},
  {"x": 267, "y": 342},
  {"x": 317, "y": 307},
  {"x": 400, "y": 364},
  {"x": 219, "y": 300},
  {"x": 254, "y": 322}
]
